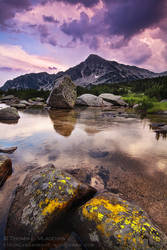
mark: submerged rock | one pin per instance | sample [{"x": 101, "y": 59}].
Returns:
[
  {"x": 114, "y": 99},
  {"x": 91, "y": 100},
  {"x": 63, "y": 94},
  {"x": 45, "y": 196},
  {"x": 9, "y": 114},
  {"x": 108, "y": 222},
  {"x": 98, "y": 153},
  {"x": 8, "y": 150},
  {"x": 5, "y": 169}
]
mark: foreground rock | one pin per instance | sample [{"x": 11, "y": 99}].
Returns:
[
  {"x": 91, "y": 100},
  {"x": 9, "y": 114},
  {"x": 8, "y": 150},
  {"x": 44, "y": 198},
  {"x": 114, "y": 99},
  {"x": 5, "y": 169},
  {"x": 108, "y": 222},
  {"x": 63, "y": 94}
]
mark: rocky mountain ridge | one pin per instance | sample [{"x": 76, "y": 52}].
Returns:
[{"x": 94, "y": 70}]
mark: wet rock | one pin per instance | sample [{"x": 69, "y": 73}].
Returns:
[
  {"x": 5, "y": 169},
  {"x": 156, "y": 125},
  {"x": 164, "y": 100},
  {"x": 9, "y": 114},
  {"x": 45, "y": 196},
  {"x": 38, "y": 99},
  {"x": 98, "y": 154},
  {"x": 8, "y": 97},
  {"x": 18, "y": 106},
  {"x": 37, "y": 105},
  {"x": 108, "y": 222},
  {"x": 70, "y": 244},
  {"x": 114, "y": 99},
  {"x": 91, "y": 100},
  {"x": 63, "y": 94},
  {"x": 136, "y": 106},
  {"x": 25, "y": 102},
  {"x": 8, "y": 150}
]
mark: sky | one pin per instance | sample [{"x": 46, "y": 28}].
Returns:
[{"x": 53, "y": 35}]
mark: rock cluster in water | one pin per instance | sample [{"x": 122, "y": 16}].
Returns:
[{"x": 51, "y": 199}]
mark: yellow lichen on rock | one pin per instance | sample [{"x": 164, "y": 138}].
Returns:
[
  {"x": 51, "y": 205},
  {"x": 90, "y": 210},
  {"x": 129, "y": 223},
  {"x": 62, "y": 181}
]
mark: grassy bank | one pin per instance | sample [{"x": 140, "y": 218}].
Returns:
[{"x": 146, "y": 104}]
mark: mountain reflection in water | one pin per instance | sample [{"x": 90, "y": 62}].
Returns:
[{"x": 101, "y": 147}]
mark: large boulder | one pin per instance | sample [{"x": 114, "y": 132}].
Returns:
[
  {"x": 114, "y": 99},
  {"x": 9, "y": 114},
  {"x": 91, "y": 100},
  {"x": 46, "y": 195},
  {"x": 108, "y": 222},
  {"x": 63, "y": 95},
  {"x": 5, "y": 169}
]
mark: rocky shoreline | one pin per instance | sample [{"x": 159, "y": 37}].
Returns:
[{"x": 60, "y": 209}]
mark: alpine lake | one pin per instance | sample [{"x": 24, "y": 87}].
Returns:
[{"x": 109, "y": 149}]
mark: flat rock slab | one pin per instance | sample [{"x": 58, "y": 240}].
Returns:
[
  {"x": 8, "y": 150},
  {"x": 5, "y": 169},
  {"x": 108, "y": 222},
  {"x": 45, "y": 196}
]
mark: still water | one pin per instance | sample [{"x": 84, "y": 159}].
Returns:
[{"x": 108, "y": 150}]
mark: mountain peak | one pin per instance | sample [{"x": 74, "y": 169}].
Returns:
[
  {"x": 94, "y": 57},
  {"x": 94, "y": 70}
]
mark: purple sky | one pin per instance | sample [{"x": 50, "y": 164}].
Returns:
[{"x": 53, "y": 35}]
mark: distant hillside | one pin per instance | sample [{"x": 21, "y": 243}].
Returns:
[
  {"x": 151, "y": 87},
  {"x": 94, "y": 70}
]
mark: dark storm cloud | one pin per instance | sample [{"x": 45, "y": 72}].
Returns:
[
  {"x": 53, "y": 68},
  {"x": 118, "y": 17},
  {"x": 8, "y": 9},
  {"x": 50, "y": 19},
  {"x": 142, "y": 58},
  {"x": 132, "y": 16},
  {"x": 79, "y": 28},
  {"x": 5, "y": 69},
  {"x": 86, "y": 3},
  {"x": 8, "y": 69}
]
